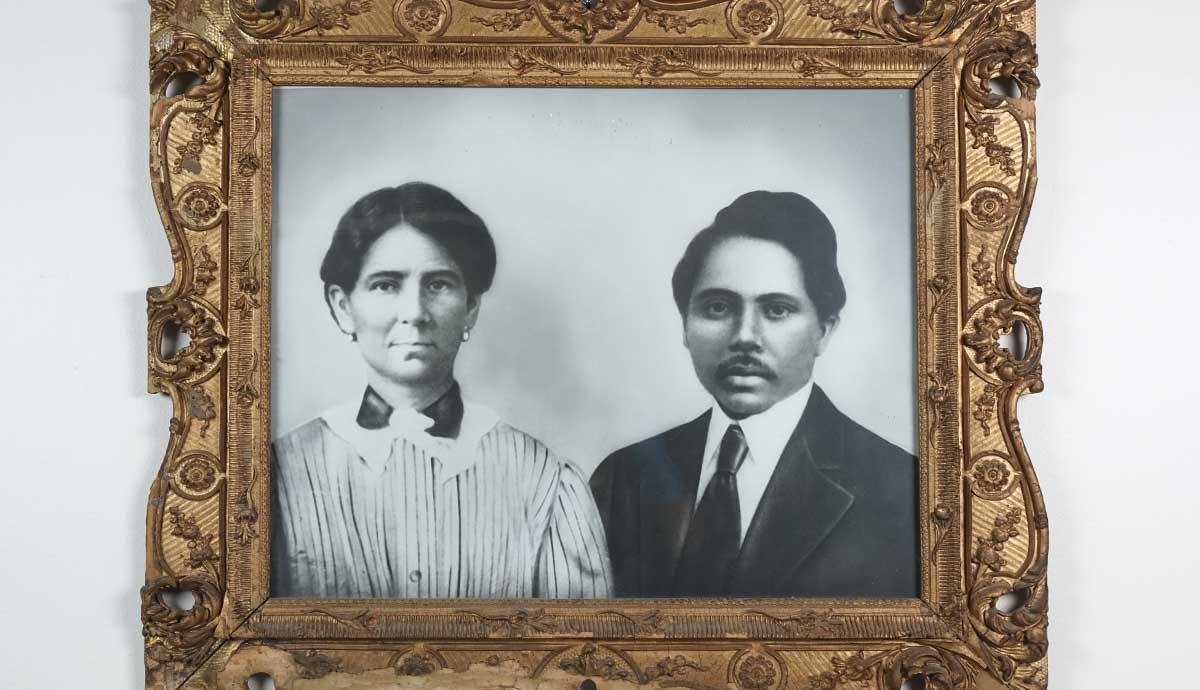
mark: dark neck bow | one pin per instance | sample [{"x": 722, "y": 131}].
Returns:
[{"x": 446, "y": 412}]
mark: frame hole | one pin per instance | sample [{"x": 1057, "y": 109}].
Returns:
[
  {"x": 1012, "y": 601},
  {"x": 909, "y": 8},
  {"x": 179, "y": 599},
  {"x": 1005, "y": 86},
  {"x": 173, "y": 341},
  {"x": 916, "y": 682},
  {"x": 268, "y": 5},
  {"x": 180, "y": 83},
  {"x": 588, "y": 4},
  {"x": 260, "y": 681},
  {"x": 587, "y": 684},
  {"x": 1015, "y": 340}
]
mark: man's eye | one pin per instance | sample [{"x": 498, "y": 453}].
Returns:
[{"x": 716, "y": 308}]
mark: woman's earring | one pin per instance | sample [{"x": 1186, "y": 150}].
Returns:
[
  {"x": 466, "y": 334},
  {"x": 353, "y": 337}
]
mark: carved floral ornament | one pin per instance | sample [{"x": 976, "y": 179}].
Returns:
[
  {"x": 209, "y": 511},
  {"x": 578, "y": 21}
]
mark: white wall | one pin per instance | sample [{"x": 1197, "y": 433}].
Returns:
[{"x": 1113, "y": 240}]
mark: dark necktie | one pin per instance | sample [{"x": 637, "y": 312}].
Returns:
[{"x": 715, "y": 534}]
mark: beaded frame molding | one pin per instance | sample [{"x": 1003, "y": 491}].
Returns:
[{"x": 980, "y": 621}]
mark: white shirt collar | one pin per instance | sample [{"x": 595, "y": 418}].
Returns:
[
  {"x": 766, "y": 432},
  {"x": 374, "y": 446}
]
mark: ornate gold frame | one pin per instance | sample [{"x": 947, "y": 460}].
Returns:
[{"x": 985, "y": 532}]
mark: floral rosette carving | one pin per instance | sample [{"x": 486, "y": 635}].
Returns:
[
  {"x": 992, "y": 477},
  {"x": 196, "y": 476},
  {"x": 755, "y": 670},
  {"x": 422, "y": 18},
  {"x": 200, "y": 206},
  {"x": 754, "y": 20},
  {"x": 990, "y": 206},
  {"x": 175, "y": 636}
]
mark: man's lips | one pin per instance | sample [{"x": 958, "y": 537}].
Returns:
[{"x": 745, "y": 368}]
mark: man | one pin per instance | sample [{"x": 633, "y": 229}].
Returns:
[{"x": 772, "y": 492}]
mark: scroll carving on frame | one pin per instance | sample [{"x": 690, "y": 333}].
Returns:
[{"x": 980, "y": 617}]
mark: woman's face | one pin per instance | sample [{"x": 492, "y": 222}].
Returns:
[{"x": 408, "y": 309}]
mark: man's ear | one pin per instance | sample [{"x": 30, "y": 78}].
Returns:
[
  {"x": 339, "y": 306},
  {"x": 828, "y": 326}
]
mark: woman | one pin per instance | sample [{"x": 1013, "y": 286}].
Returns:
[{"x": 412, "y": 491}]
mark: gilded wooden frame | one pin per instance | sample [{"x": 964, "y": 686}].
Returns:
[{"x": 984, "y": 533}]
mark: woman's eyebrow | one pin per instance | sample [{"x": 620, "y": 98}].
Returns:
[
  {"x": 777, "y": 297},
  {"x": 716, "y": 292},
  {"x": 441, "y": 272}
]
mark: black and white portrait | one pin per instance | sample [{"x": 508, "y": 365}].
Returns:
[{"x": 593, "y": 344}]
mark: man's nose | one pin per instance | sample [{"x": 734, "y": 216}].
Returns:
[{"x": 748, "y": 332}]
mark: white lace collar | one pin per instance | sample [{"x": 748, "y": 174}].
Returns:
[{"x": 374, "y": 446}]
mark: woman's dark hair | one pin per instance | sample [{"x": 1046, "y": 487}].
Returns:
[
  {"x": 785, "y": 218},
  {"x": 429, "y": 209}
]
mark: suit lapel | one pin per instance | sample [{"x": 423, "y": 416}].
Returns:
[
  {"x": 800, "y": 507},
  {"x": 667, "y": 498}
]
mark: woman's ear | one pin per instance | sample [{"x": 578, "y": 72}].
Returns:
[
  {"x": 339, "y": 306},
  {"x": 473, "y": 302}
]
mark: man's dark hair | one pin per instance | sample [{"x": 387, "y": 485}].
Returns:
[
  {"x": 429, "y": 209},
  {"x": 785, "y": 218}
]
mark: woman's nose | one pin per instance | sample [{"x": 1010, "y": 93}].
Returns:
[{"x": 410, "y": 308}]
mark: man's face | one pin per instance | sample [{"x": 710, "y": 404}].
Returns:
[{"x": 750, "y": 326}]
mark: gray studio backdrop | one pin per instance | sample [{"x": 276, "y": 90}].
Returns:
[{"x": 591, "y": 195}]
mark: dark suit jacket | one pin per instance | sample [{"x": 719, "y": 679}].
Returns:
[{"x": 838, "y": 518}]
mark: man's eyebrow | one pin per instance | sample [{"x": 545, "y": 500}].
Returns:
[{"x": 388, "y": 273}]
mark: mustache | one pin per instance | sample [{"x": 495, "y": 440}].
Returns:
[{"x": 745, "y": 365}]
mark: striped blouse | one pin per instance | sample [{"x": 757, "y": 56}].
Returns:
[{"x": 396, "y": 513}]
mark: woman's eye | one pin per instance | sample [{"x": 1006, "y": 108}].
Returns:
[
  {"x": 439, "y": 285},
  {"x": 779, "y": 311},
  {"x": 385, "y": 286}
]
